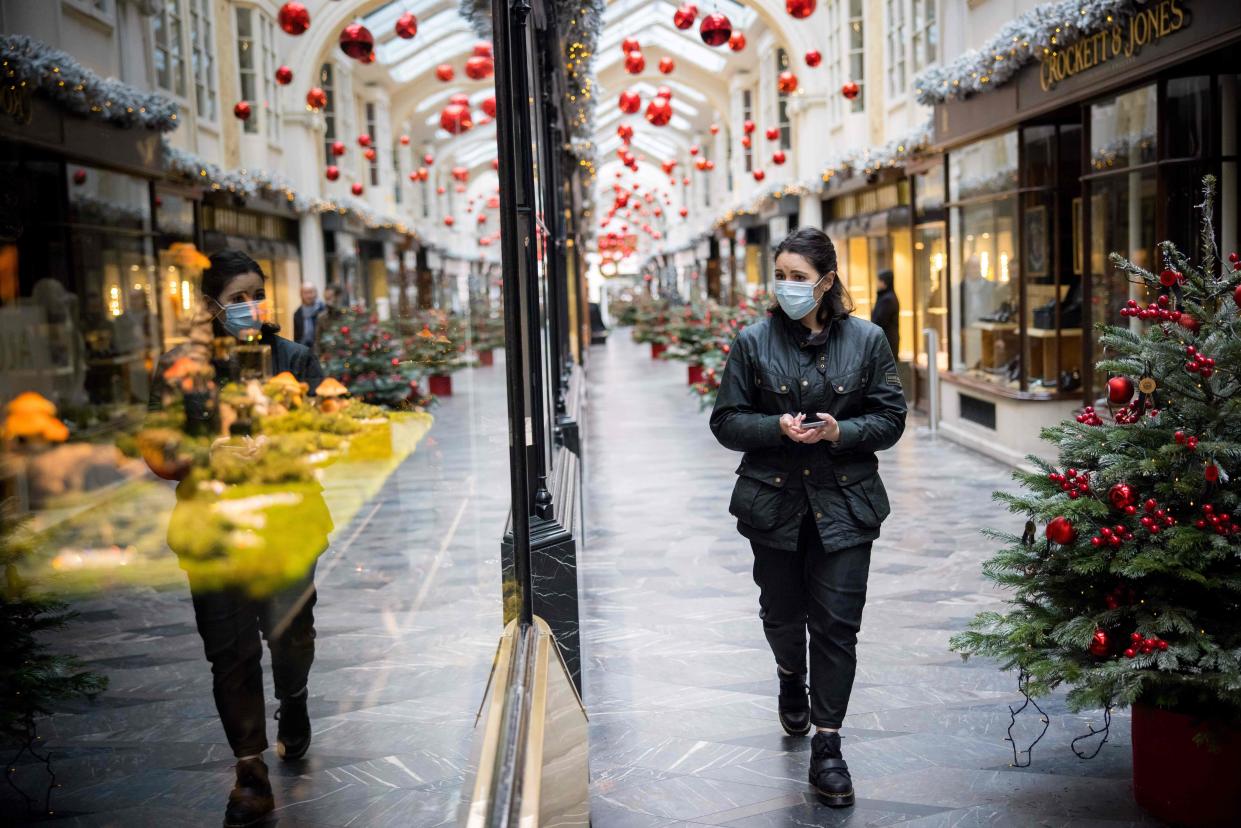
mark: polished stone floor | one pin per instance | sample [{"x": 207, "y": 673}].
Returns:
[{"x": 680, "y": 684}]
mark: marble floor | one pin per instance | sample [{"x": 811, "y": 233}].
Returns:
[{"x": 680, "y": 684}]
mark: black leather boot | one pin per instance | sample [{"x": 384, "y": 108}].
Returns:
[
  {"x": 794, "y": 704},
  {"x": 250, "y": 802},
  {"x": 829, "y": 775},
  {"x": 293, "y": 730}
]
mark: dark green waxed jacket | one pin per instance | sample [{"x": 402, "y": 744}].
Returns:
[{"x": 852, "y": 376}]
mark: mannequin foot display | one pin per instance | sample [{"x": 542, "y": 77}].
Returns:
[
  {"x": 829, "y": 775},
  {"x": 250, "y": 802},
  {"x": 793, "y": 703},
  {"x": 293, "y": 734}
]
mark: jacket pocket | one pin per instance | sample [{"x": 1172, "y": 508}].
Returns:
[
  {"x": 777, "y": 391},
  {"x": 845, "y": 390},
  {"x": 758, "y": 496},
  {"x": 867, "y": 500}
]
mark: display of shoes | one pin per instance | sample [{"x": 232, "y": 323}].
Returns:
[{"x": 1004, "y": 313}]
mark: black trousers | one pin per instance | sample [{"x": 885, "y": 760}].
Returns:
[
  {"x": 810, "y": 590},
  {"x": 231, "y": 623}
]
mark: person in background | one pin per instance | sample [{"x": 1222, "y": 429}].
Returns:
[
  {"x": 887, "y": 311},
  {"x": 306, "y": 317}
]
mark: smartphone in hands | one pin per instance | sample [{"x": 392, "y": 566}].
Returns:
[{"x": 812, "y": 423}]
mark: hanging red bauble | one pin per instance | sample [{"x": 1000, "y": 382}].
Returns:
[
  {"x": 483, "y": 49},
  {"x": 685, "y": 181},
  {"x": 364, "y": 140},
  {"x": 489, "y": 106},
  {"x": 423, "y": 173},
  {"x": 715, "y": 129},
  {"x": 786, "y": 82},
  {"x": 357, "y": 41},
  {"x": 659, "y": 112},
  {"x": 630, "y": 45},
  {"x": 79, "y": 177},
  {"x": 778, "y": 157},
  {"x": 482, "y": 218},
  {"x": 1121, "y": 495},
  {"x": 460, "y": 188},
  {"x": 693, "y": 149},
  {"x": 1188, "y": 322},
  {"x": 369, "y": 154},
  {"x": 316, "y": 98},
  {"x": 710, "y": 165},
  {"x": 773, "y": 133},
  {"x": 850, "y": 90},
  {"x": 495, "y": 163},
  {"x": 406, "y": 26},
  {"x": 736, "y": 41},
  {"x": 1060, "y": 530},
  {"x": 701, "y": 164},
  {"x": 338, "y": 148},
  {"x": 404, "y": 139},
  {"x": 460, "y": 99},
  {"x": 332, "y": 172},
  {"x": 1099, "y": 643},
  {"x": 449, "y": 221},
  {"x": 293, "y": 18},
  {"x": 684, "y": 16},
  {"x": 715, "y": 29},
  {"x": 414, "y": 177},
  {"x": 441, "y": 189},
  {"x": 634, "y": 63},
  {"x": 801, "y": 9},
  {"x": 759, "y": 175},
  {"x": 479, "y": 68},
  {"x": 284, "y": 75},
  {"x": 357, "y": 188},
  {"x": 456, "y": 119},
  {"x": 667, "y": 65},
  {"x": 1119, "y": 390},
  {"x": 629, "y": 102},
  {"x": 684, "y": 211},
  {"x": 242, "y": 111},
  {"x": 748, "y": 126},
  {"x": 746, "y": 141},
  {"x": 625, "y": 131},
  {"x": 445, "y": 72},
  {"x": 813, "y": 58},
  {"x": 1236, "y": 296},
  {"x": 668, "y": 166}
]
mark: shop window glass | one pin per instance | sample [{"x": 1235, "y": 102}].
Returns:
[
  {"x": 984, "y": 250},
  {"x": 983, "y": 168},
  {"x": 931, "y": 278},
  {"x": 782, "y": 104},
  {"x": 1122, "y": 130},
  {"x": 894, "y": 55},
  {"x": 202, "y": 57},
  {"x": 925, "y": 34},
  {"x": 928, "y": 190},
  {"x": 1039, "y": 145},
  {"x": 1186, "y": 119},
  {"x": 857, "y": 53},
  {"x": 1229, "y": 196},
  {"x": 169, "y": 55},
  {"x": 108, "y": 199},
  {"x": 248, "y": 67},
  {"x": 329, "y": 112},
  {"x": 747, "y": 114}
]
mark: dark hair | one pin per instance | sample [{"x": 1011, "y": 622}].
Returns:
[
  {"x": 814, "y": 246},
  {"x": 225, "y": 266},
  {"x": 886, "y": 277}
]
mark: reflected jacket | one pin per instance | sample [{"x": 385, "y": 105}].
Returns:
[{"x": 850, "y": 373}]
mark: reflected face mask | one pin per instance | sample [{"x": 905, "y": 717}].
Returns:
[
  {"x": 796, "y": 298},
  {"x": 239, "y": 317}
]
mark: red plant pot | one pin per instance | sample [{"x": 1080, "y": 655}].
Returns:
[
  {"x": 695, "y": 374},
  {"x": 441, "y": 385},
  {"x": 486, "y": 357},
  {"x": 1179, "y": 782},
  {"x": 657, "y": 349}
]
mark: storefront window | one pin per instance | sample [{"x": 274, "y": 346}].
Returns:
[
  {"x": 983, "y": 168},
  {"x": 984, "y": 244},
  {"x": 1122, "y": 130},
  {"x": 930, "y": 265}
]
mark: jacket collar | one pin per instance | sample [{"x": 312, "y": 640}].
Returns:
[{"x": 800, "y": 334}]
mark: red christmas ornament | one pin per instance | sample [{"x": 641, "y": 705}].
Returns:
[
  {"x": 316, "y": 98},
  {"x": 1099, "y": 643},
  {"x": 461, "y": 99},
  {"x": 635, "y": 63},
  {"x": 460, "y": 173},
  {"x": 659, "y": 112},
  {"x": 293, "y": 18},
  {"x": 748, "y": 126},
  {"x": 746, "y": 141},
  {"x": 693, "y": 149},
  {"x": 406, "y": 26},
  {"x": 1061, "y": 531},
  {"x": 813, "y": 58},
  {"x": 701, "y": 164},
  {"x": 284, "y": 75},
  {"x": 773, "y": 133},
  {"x": 759, "y": 175},
  {"x": 1121, "y": 496},
  {"x": 489, "y": 106},
  {"x": 449, "y": 221},
  {"x": 1236, "y": 296},
  {"x": 338, "y": 148},
  {"x": 423, "y": 173},
  {"x": 1188, "y": 322},
  {"x": 1211, "y": 473},
  {"x": 786, "y": 82},
  {"x": 625, "y": 131},
  {"x": 663, "y": 92},
  {"x": 630, "y": 45},
  {"x": 736, "y": 41},
  {"x": 242, "y": 111},
  {"x": 801, "y": 9},
  {"x": 404, "y": 139},
  {"x": 715, "y": 129},
  {"x": 1169, "y": 277},
  {"x": 710, "y": 164},
  {"x": 685, "y": 16},
  {"x": 445, "y": 72},
  {"x": 357, "y": 188},
  {"x": 79, "y": 177},
  {"x": 364, "y": 140},
  {"x": 715, "y": 29},
  {"x": 629, "y": 102},
  {"x": 684, "y": 211},
  {"x": 495, "y": 163},
  {"x": 850, "y": 90},
  {"x": 369, "y": 154},
  {"x": 1119, "y": 390},
  {"x": 479, "y": 68},
  {"x": 778, "y": 157},
  {"x": 357, "y": 41},
  {"x": 667, "y": 65},
  {"x": 332, "y": 172},
  {"x": 685, "y": 181},
  {"x": 483, "y": 49},
  {"x": 441, "y": 189},
  {"x": 456, "y": 119},
  {"x": 482, "y": 218}
]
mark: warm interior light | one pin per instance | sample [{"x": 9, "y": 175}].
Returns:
[{"x": 984, "y": 264}]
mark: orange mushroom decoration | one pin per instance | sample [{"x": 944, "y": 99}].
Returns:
[
  {"x": 32, "y": 419},
  {"x": 329, "y": 393}
]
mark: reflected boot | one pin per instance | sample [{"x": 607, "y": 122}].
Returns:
[
  {"x": 250, "y": 801},
  {"x": 794, "y": 704},
  {"x": 829, "y": 775},
  {"x": 293, "y": 731}
]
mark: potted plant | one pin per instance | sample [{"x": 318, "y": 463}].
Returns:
[
  {"x": 487, "y": 335},
  {"x": 437, "y": 347}
]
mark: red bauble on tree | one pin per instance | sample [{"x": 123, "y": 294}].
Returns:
[
  {"x": 813, "y": 58},
  {"x": 293, "y": 18},
  {"x": 456, "y": 119},
  {"x": 629, "y": 102},
  {"x": 759, "y": 175},
  {"x": 685, "y": 16},
  {"x": 635, "y": 63},
  {"x": 406, "y": 26},
  {"x": 79, "y": 177},
  {"x": 357, "y": 188},
  {"x": 715, "y": 29},
  {"x": 736, "y": 41},
  {"x": 242, "y": 111},
  {"x": 667, "y": 65},
  {"x": 850, "y": 90},
  {"x": 316, "y": 98},
  {"x": 1236, "y": 296},
  {"x": 357, "y": 41},
  {"x": 659, "y": 112},
  {"x": 1099, "y": 644},
  {"x": 1119, "y": 390},
  {"x": 1060, "y": 530},
  {"x": 1122, "y": 497},
  {"x": 786, "y": 82},
  {"x": 778, "y": 157},
  {"x": 479, "y": 68},
  {"x": 445, "y": 72},
  {"x": 332, "y": 172},
  {"x": 801, "y": 9},
  {"x": 284, "y": 75},
  {"x": 489, "y": 106}
]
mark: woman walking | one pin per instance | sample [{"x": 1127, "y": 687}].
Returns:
[{"x": 809, "y": 395}]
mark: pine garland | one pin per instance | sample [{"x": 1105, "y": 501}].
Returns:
[
  {"x": 26, "y": 62},
  {"x": 1040, "y": 31}
]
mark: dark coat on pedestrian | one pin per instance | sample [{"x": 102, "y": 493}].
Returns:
[
  {"x": 775, "y": 368},
  {"x": 312, "y": 313},
  {"x": 887, "y": 315}
]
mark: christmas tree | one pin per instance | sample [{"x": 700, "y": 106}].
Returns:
[
  {"x": 1133, "y": 592},
  {"x": 370, "y": 358}
]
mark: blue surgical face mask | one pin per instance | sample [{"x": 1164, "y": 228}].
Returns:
[
  {"x": 239, "y": 317},
  {"x": 796, "y": 298}
]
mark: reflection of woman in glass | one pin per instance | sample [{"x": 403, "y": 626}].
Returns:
[{"x": 229, "y": 616}]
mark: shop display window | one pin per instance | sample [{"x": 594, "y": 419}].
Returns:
[{"x": 930, "y": 266}]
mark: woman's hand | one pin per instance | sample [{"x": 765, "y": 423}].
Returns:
[
  {"x": 829, "y": 431},
  {"x": 791, "y": 425}
]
